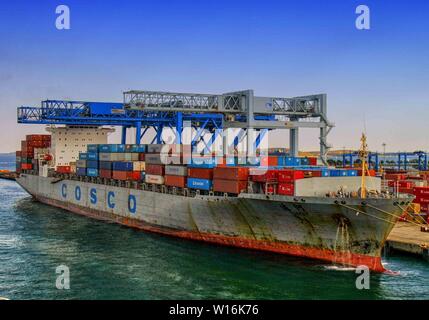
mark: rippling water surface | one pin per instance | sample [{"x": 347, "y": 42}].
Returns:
[{"x": 108, "y": 261}]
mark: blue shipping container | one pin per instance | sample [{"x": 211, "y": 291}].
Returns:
[
  {"x": 343, "y": 173},
  {"x": 81, "y": 171},
  {"x": 92, "y": 147},
  {"x": 92, "y": 156},
  {"x": 105, "y": 148},
  {"x": 91, "y": 172},
  {"x": 325, "y": 172},
  {"x": 201, "y": 184},
  {"x": 123, "y": 166},
  {"x": 305, "y": 162},
  {"x": 107, "y": 165},
  {"x": 202, "y": 162},
  {"x": 83, "y": 156},
  {"x": 352, "y": 173},
  {"x": 334, "y": 173},
  {"x": 92, "y": 164}
]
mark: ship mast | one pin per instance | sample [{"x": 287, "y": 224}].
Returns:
[{"x": 363, "y": 154}]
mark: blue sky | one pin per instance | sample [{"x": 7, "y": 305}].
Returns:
[{"x": 376, "y": 78}]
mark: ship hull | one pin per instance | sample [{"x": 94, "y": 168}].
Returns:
[{"x": 317, "y": 228}]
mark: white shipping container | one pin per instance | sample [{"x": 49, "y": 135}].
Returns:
[
  {"x": 176, "y": 171},
  {"x": 150, "y": 178},
  {"x": 139, "y": 166}
]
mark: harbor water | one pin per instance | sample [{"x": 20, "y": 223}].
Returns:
[{"x": 108, "y": 261}]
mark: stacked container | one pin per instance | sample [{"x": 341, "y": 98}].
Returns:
[
  {"x": 230, "y": 179},
  {"x": 28, "y": 146}
]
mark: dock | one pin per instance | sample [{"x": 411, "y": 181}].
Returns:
[
  {"x": 8, "y": 175},
  {"x": 408, "y": 238}
]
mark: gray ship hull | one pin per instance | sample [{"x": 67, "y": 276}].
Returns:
[{"x": 349, "y": 233}]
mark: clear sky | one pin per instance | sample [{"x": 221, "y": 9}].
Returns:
[{"x": 377, "y": 78}]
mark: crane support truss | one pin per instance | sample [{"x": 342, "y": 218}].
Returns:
[
  {"x": 207, "y": 113},
  {"x": 243, "y": 110}
]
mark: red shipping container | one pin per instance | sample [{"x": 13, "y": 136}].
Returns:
[
  {"x": 122, "y": 175},
  {"x": 63, "y": 169},
  {"x": 141, "y": 156},
  {"x": 38, "y": 137},
  {"x": 175, "y": 181},
  {"x": 312, "y": 161},
  {"x": 104, "y": 173},
  {"x": 421, "y": 200},
  {"x": 26, "y": 166},
  {"x": 290, "y": 175},
  {"x": 421, "y": 191},
  {"x": 269, "y": 161},
  {"x": 229, "y": 186},
  {"x": 263, "y": 175},
  {"x": 18, "y": 153},
  {"x": 401, "y": 184},
  {"x": 231, "y": 173},
  {"x": 155, "y": 169},
  {"x": 312, "y": 173},
  {"x": 200, "y": 173},
  {"x": 405, "y": 190},
  {"x": 136, "y": 175},
  {"x": 286, "y": 189},
  {"x": 395, "y": 176}
]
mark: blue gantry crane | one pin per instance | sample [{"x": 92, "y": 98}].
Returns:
[
  {"x": 398, "y": 160},
  {"x": 207, "y": 114}
]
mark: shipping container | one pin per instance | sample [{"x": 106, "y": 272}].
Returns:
[
  {"x": 92, "y": 164},
  {"x": 286, "y": 189},
  {"x": 92, "y": 172},
  {"x": 263, "y": 174},
  {"x": 139, "y": 166},
  {"x": 312, "y": 161},
  {"x": 92, "y": 148},
  {"x": 81, "y": 163},
  {"x": 155, "y": 148},
  {"x": 200, "y": 173},
  {"x": 421, "y": 191},
  {"x": 83, "y": 156},
  {"x": 176, "y": 170},
  {"x": 229, "y": 186},
  {"x": 63, "y": 169},
  {"x": 129, "y": 156},
  {"x": 106, "y": 156},
  {"x": 231, "y": 173},
  {"x": 155, "y": 169},
  {"x": 155, "y": 179},
  {"x": 136, "y": 175},
  {"x": 202, "y": 184},
  {"x": 106, "y": 165},
  {"x": 286, "y": 175},
  {"x": 153, "y": 158},
  {"x": 202, "y": 162},
  {"x": 141, "y": 156},
  {"x": 81, "y": 171},
  {"x": 122, "y": 166},
  {"x": 105, "y": 173},
  {"x": 269, "y": 161},
  {"x": 26, "y": 166},
  {"x": 175, "y": 181},
  {"x": 122, "y": 175}
]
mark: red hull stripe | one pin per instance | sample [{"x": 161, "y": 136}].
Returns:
[{"x": 373, "y": 263}]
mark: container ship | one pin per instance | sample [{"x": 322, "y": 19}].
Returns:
[{"x": 279, "y": 203}]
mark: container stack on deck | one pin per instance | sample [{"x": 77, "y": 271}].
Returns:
[
  {"x": 174, "y": 166},
  {"x": 31, "y": 147}
]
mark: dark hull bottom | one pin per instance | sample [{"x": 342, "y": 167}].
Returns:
[{"x": 373, "y": 263}]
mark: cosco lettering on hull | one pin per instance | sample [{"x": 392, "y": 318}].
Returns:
[{"x": 76, "y": 193}]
